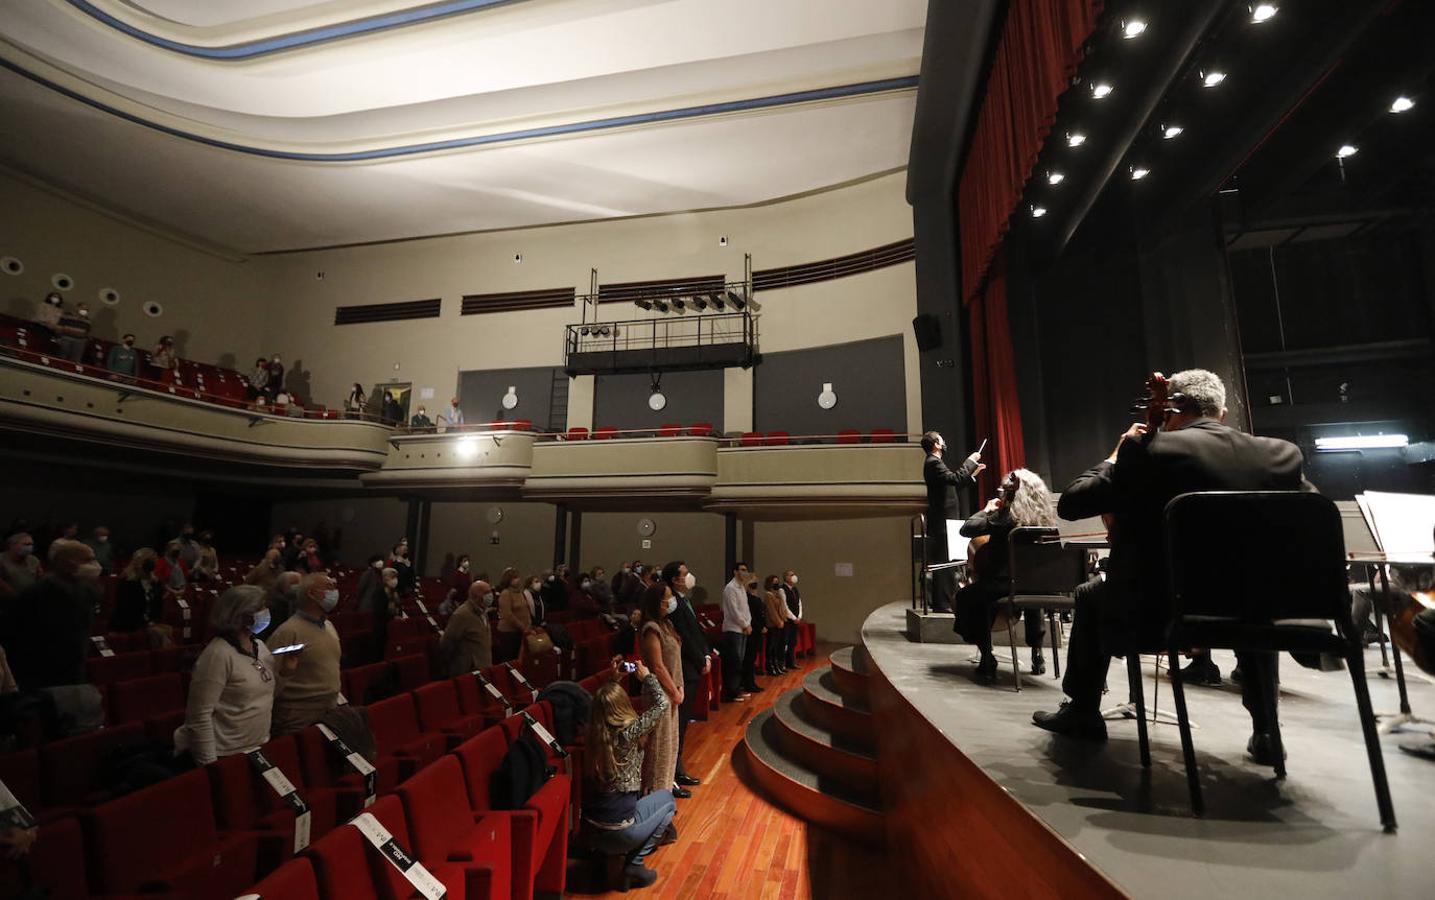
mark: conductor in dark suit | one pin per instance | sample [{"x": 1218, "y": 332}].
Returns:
[
  {"x": 942, "y": 484},
  {"x": 1192, "y": 451}
]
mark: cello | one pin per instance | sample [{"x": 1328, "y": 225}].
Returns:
[{"x": 978, "y": 552}]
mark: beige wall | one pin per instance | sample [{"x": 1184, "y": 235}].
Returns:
[
  {"x": 430, "y": 353},
  {"x": 525, "y": 536},
  {"x": 215, "y": 306},
  {"x": 371, "y": 524}
]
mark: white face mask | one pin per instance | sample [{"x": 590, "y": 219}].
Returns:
[
  {"x": 534, "y": 585},
  {"x": 378, "y": 563},
  {"x": 261, "y": 621},
  {"x": 463, "y": 567},
  {"x": 794, "y": 581},
  {"x": 690, "y": 581},
  {"x": 103, "y": 539},
  {"x": 586, "y": 584},
  {"x": 672, "y": 605},
  {"x": 330, "y": 600},
  {"x": 88, "y": 571}
]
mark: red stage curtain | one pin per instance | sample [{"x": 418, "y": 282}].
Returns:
[
  {"x": 1037, "y": 54},
  {"x": 997, "y": 406}
]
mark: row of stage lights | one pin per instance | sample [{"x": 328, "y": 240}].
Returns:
[
  {"x": 699, "y": 302},
  {"x": 1209, "y": 78}
]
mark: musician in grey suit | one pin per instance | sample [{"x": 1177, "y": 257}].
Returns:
[{"x": 942, "y": 484}]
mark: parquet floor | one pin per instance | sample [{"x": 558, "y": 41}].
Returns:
[{"x": 734, "y": 843}]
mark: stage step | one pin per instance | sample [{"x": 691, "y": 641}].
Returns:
[
  {"x": 801, "y": 738},
  {"x": 825, "y": 705},
  {"x": 849, "y": 671},
  {"x": 817, "y": 798}
]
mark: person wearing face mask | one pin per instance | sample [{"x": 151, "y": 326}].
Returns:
[
  {"x": 515, "y": 617},
  {"x": 453, "y": 416},
  {"x": 778, "y": 618},
  {"x": 601, "y": 590},
  {"x": 459, "y": 582},
  {"x": 171, "y": 569},
  {"x": 99, "y": 542},
  {"x": 75, "y": 333},
  {"x": 369, "y": 592},
  {"x": 206, "y": 564},
  {"x": 19, "y": 566},
  {"x": 259, "y": 379},
  {"x": 420, "y": 421},
  {"x": 47, "y": 321},
  {"x": 309, "y": 560},
  {"x": 312, "y": 689},
  {"x": 163, "y": 359},
  {"x": 139, "y": 595},
  {"x": 794, "y": 606},
  {"x": 537, "y": 601},
  {"x": 188, "y": 547},
  {"x": 275, "y": 383},
  {"x": 123, "y": 359},
  {"x": 232, "y": 694},
  {"x": 399, "y": 562},
  {"x": 265, "y": 572},
  {"x": 467, "y": 642},
  {"x": 662, "y": 653},
  {"x": 696, "y": 660},
  {"x": 46, "y": 628}
]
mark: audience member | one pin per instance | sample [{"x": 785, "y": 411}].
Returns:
[
  {"x": 47, "y": 320},
  {"x": 458, "y": 583},
  {"x": 696, "y": 658},
  {"x": 265, "y": 572},
  {"x": 622, "y": 818},
  {"x": 206, "y": 563},
  {"x": 123, "y": 359},
  {"x": 467, "y": 642},
  {"x": 399, "y": 562},
  {"x": 75, "y": 333},
  {"x": 188, "y": 547},
  {"x": 658, "y": 644},
  {"x": 369, "y": 591},
  {"x": 171, "y": 569},
  {"x": 757, "y": 638},
  {"x": 19, "y": 567},
  {"x": 275, "y": 382},
  {"x": 309, "y": 560},
  {"x": 391, "y": 411},
  {"x": 258, "y": 380},
  {"x": 534, "y": 593},
  {"x": 602, "y": 591},
  {"x": 46, "y": 628},
  {"x": 139, "y": 595},
  {"x": 453, "y": 416},
  {"x": 554, "y": 590},
  {"x": 357, "y": 402},
  {"x": 794, "y": 603},
  {"x": 99, "y": 542},
  {"x": 163, "y": 359},
  {"x": 736, "y": 626},
  {"x": 421, "y": 421},
  {"x": 312, "y": 689},
  {"x": 778, "y": 618},
  {"x": 231, "y": 696},
  {"x": 515, "y": 617}
]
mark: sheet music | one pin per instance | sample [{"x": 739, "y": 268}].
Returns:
[
  {"x": 956, "y": 544},
  {"x": 1403, "y": 524}
]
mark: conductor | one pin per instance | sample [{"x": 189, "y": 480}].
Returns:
[{"x": 942, "y": 484}]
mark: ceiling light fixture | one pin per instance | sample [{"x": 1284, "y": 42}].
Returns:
[
  {"x": 1038, "y": 211},
  {"x": 643, "y": 303},
  {"x": 660, "y": 306},
  {"x": 1212, "y": 78},
  {"x": 1363, "y": 442},
  {"x": 1170, "y": 131},
  {"x": 737, "y": 302},
  {"x": 1139, "y": 172},
  {"x": 678, "y": 305},
  {"x": 1101, "y": 90},
  {"x": 715, "y": 300},
  {"x": 1263, "y": 12},
  {"x": 699, "y": 303},
  {"x": 1402, "y": 104},
  {"x": 1346, "y": 151},
  {"x": 1054, "y": 178},
  {"x": 1075, "y": 139},
  {"x": 1132, "y": 28}
]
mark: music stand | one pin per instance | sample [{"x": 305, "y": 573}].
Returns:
[{"x": 1361, "y": 542}]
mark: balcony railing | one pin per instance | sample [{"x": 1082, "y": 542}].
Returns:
[{"x": 674, "y": 342}]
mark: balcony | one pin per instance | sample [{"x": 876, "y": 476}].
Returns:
[
  {"x": 801, "y": 480},
  {"x": 484, "y": 460},
  {"x": 660, "y": 345},
  {"x": 633, "y": 472}
]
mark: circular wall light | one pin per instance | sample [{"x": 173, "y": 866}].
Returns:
[
  {"x": 510, "y": 399},
  {"x": 827, "y": 399},
  {"x": 656, "y": 401},
  {"x": 11, "y": 266},
  {"x": 153, "y": 309},
  {"x": 61, "y": 281},
  {"x": 109, "y": 296}
]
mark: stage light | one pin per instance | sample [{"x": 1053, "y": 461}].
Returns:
[
  {"x": 1212, "y": 78},
  {"x": 715, "y": 300},
  {"x": 1346, "y": 151},
  {"x": 660, "y": 306},
  {"x": 644, "y": 303},
  {"x": 1054, "y": 178},
  {"x": 678, "y": 305},
  {"x": 737, "y": 302},
  {"x": 1170, "y": 131},
  {"x": 604, "y": 331},
  {"x": 1402, "y": 104},
  {"x": 1075, "y": 139},
  {"x": 1139, "y": 172},
  {"x": 1132, "y": 28},
  {"x": 1101, "y": 90},
  {"x": 1038, "y": 211},
  {"x": 1263, "y": 12},
  {"x": 585, "y": 331},
  {"x": 699, "y": 303},
  {"x": 1363, "y": 442}
]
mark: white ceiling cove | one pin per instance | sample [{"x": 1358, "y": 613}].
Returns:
[{"x": 279, "y": 124}]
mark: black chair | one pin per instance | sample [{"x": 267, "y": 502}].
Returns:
[
  {"x": 1221, "y": 548},
  {"x": 1044, "y": 575}
]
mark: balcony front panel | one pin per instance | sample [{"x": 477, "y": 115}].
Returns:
[
  {"x": 616, "y": 472},
  {"x": 819, "y": 481},
  {"x": 499, "y": 460}
]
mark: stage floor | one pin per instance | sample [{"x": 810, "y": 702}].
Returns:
[{"x": 1315, "y": 835}]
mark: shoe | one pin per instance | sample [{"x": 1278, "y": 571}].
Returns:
[
  {"x": 986, "y": 672},
  {"x": 1202, "y": 671},
  {"x": 1038, "y": 664},
  {"x": 670, "y": 836},
  {"x": 1068, "y": 721},
  {"x": 682, "y": 793},
  {"x": 1373, "y": 635},
  {"x": 684, "y": 778},
  {"x": 792, "y": 663},
  {"x": 1261, "y": 749},
  {"x": 753, "y": 688},
  {"x": 639, "y": 875}
]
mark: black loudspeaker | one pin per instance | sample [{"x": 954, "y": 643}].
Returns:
[{"x": 928, "y": 330}]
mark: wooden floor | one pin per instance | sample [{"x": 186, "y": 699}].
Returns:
[{"x": 734, "y": 843}]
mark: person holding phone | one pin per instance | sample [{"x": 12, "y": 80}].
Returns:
[
  {"x": 942, "y": 484},
  {"x": 231, "y": 697}
]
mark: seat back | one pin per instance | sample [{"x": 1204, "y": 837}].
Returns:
[
  {"x": 437, "y": 705},
  {"x": 849, "y": 436},
  {"x": 144, "y": 698},
  {"x": 777, "y": 439},
  {"x": 292, "y": 881},
  {"x": 347, "y": 866},
  {"x": 577, "y": 433},
  {"x": 134, "y": 838},
  {"x": 480, "y": 758},
  {"x": 1221, "y": 547},
  {"x": 413, "y": 669},
  {"x": 436, "y": 806},
  {"x": 394, "y": 722},
  {"x": 70, "y": 767},
  {"x": 1040, "y": 565},
  {"x": 883, "y": 436}
]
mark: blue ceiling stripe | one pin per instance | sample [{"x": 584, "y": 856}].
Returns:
[
  {"x": 306, "y": 38},
  {"x": 689, "y": 112}
]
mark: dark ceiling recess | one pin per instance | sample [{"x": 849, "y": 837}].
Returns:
[
  {"x": 544, "y": 298},
  {"x": 387, "y": 312},
  {"x": 840, "y": 267},
  {"x": 628, "y": 291}
]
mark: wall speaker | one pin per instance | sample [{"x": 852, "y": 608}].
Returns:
[{"x": 928, "y": 331}]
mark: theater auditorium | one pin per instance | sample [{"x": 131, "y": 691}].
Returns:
[{"x": 510, "y": 449}]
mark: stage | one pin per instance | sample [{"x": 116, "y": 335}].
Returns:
[{"x": 987, "y": 804}]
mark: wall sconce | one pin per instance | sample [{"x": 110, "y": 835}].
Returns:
[
  {"x": 827, "y": 399},
  {"x": 510, "y": 399}
]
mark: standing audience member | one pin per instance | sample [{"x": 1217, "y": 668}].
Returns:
[
  {"x": 756, "y": 640},
  {"x": 259, "y": 379},
  {"x": 778, "y": 615},
  {"x": 459, "y": 582},
  {"x": 51, "y": 311},
  {"x": 139, "y": 595},
  {"x": 515, "y": 618},
  {"x": 123, "y": 358},
  {"x": 206, "y": 563},
  {"x": 309, "y": 560},
  {"x": 231, "y": 696},
  {"x": 46, "y": 629},
  {"x": 188, "y": 547},
  {"x": 275, "y": 383},
  {"x": 265, "y": 572},
  {"x": 794, "y": 604},
  {"x": 75, "y": 333},
  {"x": 104, "y": 551},
  {"x": 171, "y": 569},
  {"x": 624, "y": 818},
  {"x": 399, "y": 562},
  {"x": 369, "y": 592},
  {"x": 658, "y": 643},
  {"x": 19, "y": 567},
  {"x": 312, "y": 689},
  {"x": 392, "y": 412},
  {"x": 163, "y": 358},
  {"x": 602, "y": 591},
  {"x": 453, "y": 416},
  {"x": 467, "y": 642},
  {"x": 357, "y": 401},
  {"x": 696, "y": 657},
  {"x": 736, "y": 626},
  {"x": 421, "y": 421}
]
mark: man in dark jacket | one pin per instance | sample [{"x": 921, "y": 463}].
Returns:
[
  {"x": 46, "y": 629},
  {"x": 1192, "y": 451},
  {"x": 942, "y": 484},
  {"x": 697, "y": 662}
]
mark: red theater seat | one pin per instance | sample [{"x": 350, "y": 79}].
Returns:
[
  {"x": 365, "y": 684},
  {"x": 849, "y": 436},
  {"x": 607, "y": 432},
  {"x": 154, "y": 700},
  {"x": 444, "y": 827},
  {"x": 577, "y": 433},
  {"x": 323, "y": 768},
  {"x": 777, "y": 439},
  {"x": 243, "y": 801},
  {"x": 120, "y": 667},
  {"x": 701, "y": 429},
  {"x": 292, "y": 881},
  {"x": 164, "y": 837},
  {"x": 396, "y": 730},
  {"x": 413, "y": 670},
  {"x": 670, "y": 429},
  {"x": 883, "y": 436},
  {"x": 54, "y": 867},
  {"x": 750, "y": 439},
  {"x": 69, "y": 768},
  {"x": 440, "y": 711}
]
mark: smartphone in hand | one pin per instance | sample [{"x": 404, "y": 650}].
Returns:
[{"x": 292, "y": 648}]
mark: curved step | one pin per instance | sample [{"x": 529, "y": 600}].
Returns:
[
  {"x": 814, "y": 797},
  {"x": 825, "y": 705},
  {"x": 813, "y": 747},
  {"x": 849, "y": 674}
]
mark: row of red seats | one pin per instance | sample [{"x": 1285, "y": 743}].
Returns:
[{"x": 746, "y": 439}]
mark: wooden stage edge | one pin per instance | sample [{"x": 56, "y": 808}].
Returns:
[{"x": 958, "y": 832}]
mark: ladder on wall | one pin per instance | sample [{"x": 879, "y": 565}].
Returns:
[{"x": 558, "y": 402}]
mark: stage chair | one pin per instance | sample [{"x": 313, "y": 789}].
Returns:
[
  {"x": 1044, "y": 576},
  {"x": 1219, "y": 547}
]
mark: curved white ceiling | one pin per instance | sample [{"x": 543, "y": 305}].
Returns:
[{"x": 514, "y": 113}]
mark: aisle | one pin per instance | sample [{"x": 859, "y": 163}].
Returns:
[{"x": 733, "y": 843}]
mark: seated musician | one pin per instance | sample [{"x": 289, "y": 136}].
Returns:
[
  {"x": 1022, "y": 500},
  {"x": 1185, "y": 448}
]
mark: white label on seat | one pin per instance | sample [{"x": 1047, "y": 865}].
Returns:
[
  {"x": 102, "y": 645},
  {"x": 398, "y": 857},
  {"x": 423, "y": 609}
]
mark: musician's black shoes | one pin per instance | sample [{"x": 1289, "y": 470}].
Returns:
[
  {"x": 1203, "y": 672},
  {"x": 1261, "y": 748},
  {"x": 1073, "y": 723},
  {"x": 986, "y": 672},
  {"x": 1038, "y": 664}
]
